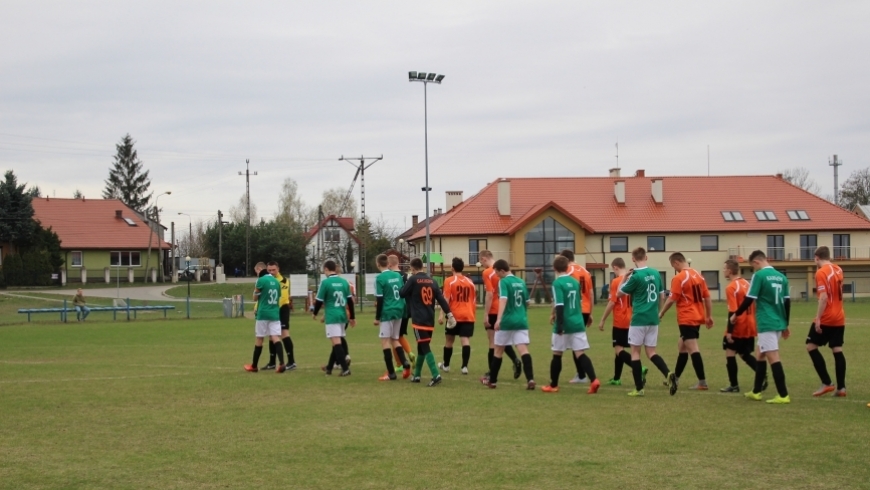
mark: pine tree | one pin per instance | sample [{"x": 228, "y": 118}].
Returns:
[
  {"x": 16, "y": 212},
  {"x": 127, "y": 181}
]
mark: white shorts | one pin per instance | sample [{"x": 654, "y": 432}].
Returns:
[
  {"x": 511, "y": 337},
  {"x": 569, "y": 341},
  {"x": 768, "y": 341},
  {"x": 390, "y": 329},
  {"x": 334, "y": 330},
  {"x": 646, "y": 336},
  {"x": 265, "y": 328}
]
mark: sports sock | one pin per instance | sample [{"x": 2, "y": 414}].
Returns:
[
  {"x": 840, "y": 367},
  {"x": 587, "y": 366},
  {"x": 527, "y": 367},
  {"x": 258, "y": 349},
  {"x": 581, "y": 373},
  {"x": 288, "y": 346},
  {"x": 760, "y": 374},
  {"x": 418, "y": 365},
  {"x": 490, "y": 356},
  {"x": 340, "y": 356},
  {"x": 638, "y": 375},
  {"x": 405, "y": 345},
  {"x": 271, "y": 353},
  {"x": 617, "y": 367},
  {"x": 433, "y": 366},
  {"x": 509, "y": 351},
  {"x": 731, "y": 366},
  {"x": 396, "y": 355},
  {"x": 625, "y": 356},
  {"x": 779, "y": 378},
  {"x": 466, "y": 355},
  {"x": 279, "y": 351},
  {"x": 682, "y": 360},
  {"x": 331, "y": 362},
  {"x": 344, "y": 346},
  {"x": 821, "y": 368},
  {"x": 448, "y": 353},
  {"x": 698, "y": 364},
  {"x": 555, "y": 370},
  {"x": 388, "y": 360},
  {"x": 400, "y": 355},
  {"x": 493, "y": 369},
  {"x": 659, "y": 363},
  {"x": 750, "y": 361}
]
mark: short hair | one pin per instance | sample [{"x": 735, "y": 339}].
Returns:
[
  {"x": 568, "y": 254},
  {"x": 485, "y": 254},
  {"x": 732, "y": 266},
  {"x": 638, "y": 254},
  {"x": 382, "y": 260},
  {"x": 417, "y": 264},
  {"x": 677, "y": 257},
  {"x": 501, "y": 265},
  {"x": 618, "y": 262},
  {"x": 330, "y": 265},
  {"x": 260, "y": 265},
  {"x": 458, "y": 264},
  {"x": 392, "y": 259},
  {"x": 823, "y": 253},
  {"x": 560, "y": 263},
  {"x": 757, "y": 255},
  {"x": 273, "y": 264}
]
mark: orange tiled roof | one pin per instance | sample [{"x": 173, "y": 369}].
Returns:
[
  {"x": 91, "y": 224},
  {"x": 689, "y": 204}
]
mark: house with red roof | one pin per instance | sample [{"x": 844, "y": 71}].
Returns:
[
  {"x": 710, "y": 219},
  {"x": 333, "y": 238},
  {"x": 102, "y": 240}
]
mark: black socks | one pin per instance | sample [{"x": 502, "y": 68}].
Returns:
[
  {"x": 749, "y": 359},
  {"x": 586, "y": 363},
  {"x": 581, "y": 373},
  {"x": 509, "y": 351},
  {"x": 840, "y": 366},
  {"x": 271, "y": 353},
  {"x": 821, "y": 368},
  {"x": 638, "y": 375},
  {"x": 555, "y": 370},
  {"x": 400, "y": 352},
  {"x": 466, "y": 355},
  {"x": 493, "y": 369},
  {"x": 279, "y": 351},
  {"x": 698, "y": 364},
  {"x": 339, "y": 356},
  {"x": 388, "y": 359},
  {"x": 760, "y": 374},
  {"x": 779, "y": 378},
  {"x": 682, "y": 360},
  {"x": 527, "y": 367},
  {"x": 658, "y": 362},
  {"x": 490, "y": 356},
  {"x": 258, "y": 349},
  {"x": 448, "y": 353},
  {"x": 288, "y": 346},
  {"x": 731, "y": 365},
  {"x": 617, "y": 367}
]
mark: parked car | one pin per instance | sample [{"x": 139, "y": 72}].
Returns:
[{"x": 189, "y": 273}]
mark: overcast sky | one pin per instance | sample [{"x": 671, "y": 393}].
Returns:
[{"x": 531, "y": 89}]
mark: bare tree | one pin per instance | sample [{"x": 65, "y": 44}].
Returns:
[
  {"x": 856, "y": 189},
  {"x": 800, "y": 177},
  {"x": 334, "y": 203},
  {"x": 239, "y": 213},
  {"x": 291, "y": 208},
  {"x": 194, "y": 246}
]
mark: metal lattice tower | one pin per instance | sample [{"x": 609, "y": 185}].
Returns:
[{"x": 247, "y": 175}]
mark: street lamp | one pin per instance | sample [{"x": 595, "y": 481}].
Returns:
[
  {"x": 426, "y": 78},
  {"x": 156, "y": 211},
  {"x": 187, "y": 259},
  {"x": 189, "y": 232}
]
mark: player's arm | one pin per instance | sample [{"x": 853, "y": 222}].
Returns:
[
  {"x": 667, "y": 306},
  {"x": 350, "y": 309},
  {"x": 708, "y": 307},
  {"x": 823, "y": 304},
  {"x": 607, "y": 311},
  {"x": 407, "y": 289},
  {"x": 487, "y": 305},
  {"x": 318, "y": 302},
  {"x": 502, "y": 304},
  {"x": 445, "y": 307},
  {"x": 627, "y": 285},
  {"x": 379, "y": 308},
  {"x": 747, "y": 302},
  {"x": 446, "y": 293}
]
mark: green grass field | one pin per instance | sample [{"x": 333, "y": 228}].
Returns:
[
  {"x": 166, "y": 404},
  {"x": 213, "y": 291}
]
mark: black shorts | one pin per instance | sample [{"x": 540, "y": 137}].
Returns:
[
  {"x": 586, "y": 318},
  {"x": 620, "y": 337},
  {"x": 492, "y": 318},
  {"x": 830, "y": 336},
  {"x": 422, "y": 335},
  {"x": 403, "y": 327},
  {"x": 284, "y": 316},
  {"x": 740, "y": 346},
  {"x": 689, "y": 332},
  {"x": 462, "y": 329}
]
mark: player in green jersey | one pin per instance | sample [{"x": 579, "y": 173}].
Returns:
[
  {"x": 511, "y": 324},
  {"x": 769, "y": 290},
  {"x": 267, "y": 292},
  {"x": 569, "y": 327},
  {"x": 389, "y": 309},
  {"x": 336, "y": 299},
  {"x": 644, "y": 284}
]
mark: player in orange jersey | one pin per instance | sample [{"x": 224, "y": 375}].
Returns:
[
  {"x": 490, "y": 284},
  {"x": 459, "y": 291},
  {"x": 582, "y": 276},
  {"x": 829, "y": 325},
  {"x": 621, "y": 309},
  {"x": 694, "y": 308},
  {"x": 740, "y": 335}
]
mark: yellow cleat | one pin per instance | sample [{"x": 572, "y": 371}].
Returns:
[
  {"x": 779, "y": 400},
  {"x": 635, "y": 393},
  {"x": 753, "y": 396}
]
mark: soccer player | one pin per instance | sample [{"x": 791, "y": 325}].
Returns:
[
  {"x": 644, "y": 284},
  {"x": 829, "y": 325},
  {"x": 569, "y": 329},
  {"x": 769, "y": 290},
  {"x": 689, "y": 292},
  {"x": 621, "y": 309},
  {"x": 388, "y": 316},
  {"x": 459, "y": 293},
  {"x": 511, "y": 324},
  {"x": 284, "y": 313},
  {"x": 267, "y": 291},
  {"x": 490, "y": 306},
  {"x": 583, "y": 277},
  {"x": 739, "y": 337},
  {"x": 421, "y": 292},
  {"x": 336, "y": 298},
  {"x": 393, "y": 263}
]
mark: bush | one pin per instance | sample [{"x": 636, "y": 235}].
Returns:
[{"x": 27, "y": 269}]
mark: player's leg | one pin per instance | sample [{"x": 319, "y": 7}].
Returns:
[
  {"x": 691, "y": 345},
  {"x": 285, "y": 337},
  {"x": 403, "y": 332},
  {"x": 682, "y": 356},
  {"x": 778, "y": 377},
  {"x": 465, "y": 340},
  {"x": 521, "y": 340},
  {"x": 635, "y": 339},
  {"x": 385, "y": 334},
  {"x": 275, "y": 337},
  {"x": 814, "y": 341},
  {"x": 335, "y": 332},
  {"x": 258, "y": 349},
  {"x": 836, "y": 343},
  {"x": 622, "y": 355},
  {"x": 650, "y": 340},
  {"x": 490, "y": 334},
  {"x": 556, "y": 345},
  {"x": 500, "y": 339},
  {"x": 579, "y": 344},
  {"x": 271, "y": 364},
  {"x": 730, "y": 367},
  {"x": 424, "y": 353},
  {"x": 449, "y": 338}
]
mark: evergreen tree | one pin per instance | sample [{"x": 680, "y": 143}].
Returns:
[
  {"x": 856, "y": 189},
  {"x": 16, "y": 212},
  {"x": 127, "y": 181}
]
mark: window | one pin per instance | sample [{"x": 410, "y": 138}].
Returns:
[
  {"x": 765, "y": 216},
  {"x": 331, "y": 234},
  {"x": 709, "y": 242},
  {"x": 75, "y": 259},
  {"x": 542, "y": 243},
  {"x": 711, "y": 278},
  {"x": 798, "y": 215},
  {"x": 124, "y": 259},
  {"x": 776, "y": 247},
  {"x": 842, "y": 249},
  {"x": 655, "y": 243},
  {"x": 619, "y": 244},
  {"x": 129, "y": 222},
  {"x": 808, "y": 246},
  {"x": 732, "y": 216},
  {"x": 475, "y": 245}
]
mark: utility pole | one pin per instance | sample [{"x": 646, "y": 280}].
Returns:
[
  {"x": 221, "y": 239},
  {"x": 836, "y": 163},
  {"x": 174, "y": 250},
  {"x": 318, "y": 266},
  {"x": 361, "y": 170},
  {"x": 247, "y": 175}
]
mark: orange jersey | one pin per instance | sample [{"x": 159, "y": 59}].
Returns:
[
  {"x": 621, "y": 306},
  {"x": 490, "y": 283},
  {"x": 689, "y": 290},
  {"x": 735, "y": 293},
  {"x": 459, "y": 292},
  {"x": 829, "y": 279},
  {"x": 582, "y": 276}
]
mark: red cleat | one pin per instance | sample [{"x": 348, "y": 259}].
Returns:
[
  {"x": 251, "y": 368},
  {"x": 824, "y": 390},
  {"x": 550, "y": 389},
  {"x": 406, "y": 373},
  {"x": 280, "y": 369},
  {"x": 593, "y": 388}
]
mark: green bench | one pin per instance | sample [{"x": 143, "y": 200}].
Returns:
[{"x": 63, "y": 311}]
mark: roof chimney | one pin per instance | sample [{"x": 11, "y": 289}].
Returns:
[
  {"x": 118, "y": 214},
  {"x": 415, "y": 220},
  {"x": 657, "y": 191},
  {"x": 454, "y": 198},
  {"x": 619, "y": 191},
  {"x": 640, "y": 173},
  {"x": 779, "y": 176},
  {"x": 614, "y": 172},
  {"x": 504, "y": 197}
]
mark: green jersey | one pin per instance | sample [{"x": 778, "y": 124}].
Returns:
[
  {"x": 566, "y": 293},
  {"x": 769, "y": 289},
  {"x": 387, "y": 287},
  {"x": 514, "y": 290},
  {"x": 267, "y": 303},
  {"x": 333, "y": 293},
  {"x": 645, "y": 287}
]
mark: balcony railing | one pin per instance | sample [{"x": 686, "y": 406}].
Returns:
[
  {"x": 797, "y": 254},
  {"x": 471, "y": 258}
]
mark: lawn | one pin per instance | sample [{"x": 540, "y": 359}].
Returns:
[
  {"x": 213, "y": 291},
  {"x": 165, "y": 404}
]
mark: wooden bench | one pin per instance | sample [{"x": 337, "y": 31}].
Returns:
[{"x": 114, "y": 309}]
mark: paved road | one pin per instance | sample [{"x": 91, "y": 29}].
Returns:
[{"x": 144, "y": 293}]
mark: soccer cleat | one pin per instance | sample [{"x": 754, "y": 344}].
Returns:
[
  {"x": 730, "y": 389},
  {"x": 672, "y": 383},
  {"x": 753, "y": 396},
  {"x": 530, "y": 385},
  {"x": 489, "y": 385},
  {"x": 550, "y": 389},
  {"x": 268, "y": 367},
  {"x": 578, "y": 380},
  {"x": 435, "y": 381},
  {"x": 398, "y": 367},
  {"x": 615, "y": 382},
  {"x": 443, "y": 367},
  {"x": 326, "y": 370},
  {"x": 251, "y": 368},
  {"x": 464, "y": 370},
  {"x": 700, "y": 387},
  {"x": 345, "y": 373},
  {"x": 484, "y": 379},
  {"x": 291, "y": 367},
  {"x": 635, "y": 393},
  {"x": 518, "y": 368},
  {"x": 593, "y": 388},
  {"x": 387, "y": 377},
  {"x": 824, "y": 390},
  {"x": 280, "y": 369},
  {"x": 841, "y": 393},
  {"x": 347, "y": 360},
  {"x": 412, "y": 357},
  {"x": 415, "y": 379},
  {"x": 764, "y": 384},
  {"x": 406, "y": 373},
  {"x": 643, "y": 371},
  {"x": 779, "y": 400}
]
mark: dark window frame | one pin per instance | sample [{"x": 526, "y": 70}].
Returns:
[
  {"x": 715, "y": 274},
  {"x": 664, "y": 243},
  {"x": 776, "y": 252},
  {"x": 707, "y": 248},
  {"x": 614, "y": 250}
]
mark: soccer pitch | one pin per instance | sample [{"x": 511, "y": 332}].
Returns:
[{"x": 166, "y": 404}]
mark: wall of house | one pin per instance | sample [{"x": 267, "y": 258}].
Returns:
[
  {"x": 518, "y": 239},
  {"x": 95, "y": 261}
]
